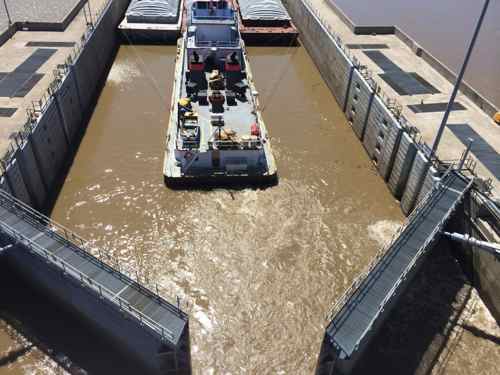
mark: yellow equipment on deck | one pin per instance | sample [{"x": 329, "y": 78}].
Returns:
[
  {"x": 496, "y": 118},
  {"x": 185, "y": 102}
]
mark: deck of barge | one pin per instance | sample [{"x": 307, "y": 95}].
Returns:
[{"x": 153, "y": 22}]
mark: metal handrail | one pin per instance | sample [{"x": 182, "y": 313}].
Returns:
[
  {"x": 421, "y": 250},
  {"x": 58, "y": 230},
  {"x": 424, "y": 246},
  {"x": 42, "y": 222},
  {"x": 92, "y": 284},
  {"x": 417, "y": 211},
  {"x": 52, "y": 228},
  {"x": 379, "y": 255}
]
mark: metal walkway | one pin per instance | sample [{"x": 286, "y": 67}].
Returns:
[
  {"x": 364, "y": 305},
  {"x": 67, "y": 252}
]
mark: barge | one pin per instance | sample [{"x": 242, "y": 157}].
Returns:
[
  {"x": 216, "y": 133},
  {"x": 266, "y": 22},
  {"x": 152, "y": 21}
]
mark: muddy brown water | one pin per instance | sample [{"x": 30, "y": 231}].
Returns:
[
  {"x": 444, "y": 28},
  {"x": 257, "y": 270}
]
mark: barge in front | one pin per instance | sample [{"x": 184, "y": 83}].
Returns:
[
  {"x": 266, "y": 22},
  {"x": 216, "y": 133},
  {"x": 152, "y": 21}
]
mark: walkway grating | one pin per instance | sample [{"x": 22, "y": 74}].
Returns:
[
  {"x": 66, "y": 251},
  {"x": 363, "y": 304}
]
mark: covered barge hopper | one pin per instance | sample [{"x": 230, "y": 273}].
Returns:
[
  {"x": 152, "y": 21},
  {"x": 266, "y": 22},
  {"x": 216, "y": 132}
]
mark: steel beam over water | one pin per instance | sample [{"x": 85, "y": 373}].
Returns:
[
  {"x": 361, "y": 311},
  {"x": 64, "y": 250}
]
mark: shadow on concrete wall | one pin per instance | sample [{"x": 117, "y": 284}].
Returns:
[
  {"x": 76, "y": 347},
  {"x": 418, "y": 331}
]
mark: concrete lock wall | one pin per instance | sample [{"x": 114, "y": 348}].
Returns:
[
  {"x": 87, "y": 74},
  {"x": 386, "y": 142},
  {"x": 486, "y": 276},
  {"x": 407, "y": 171},
  {"x": 69, "y": 106},
  {"x": 141, "y": 343},
  {"x": 333, "y": 64},
  {"x": 16, "y": 182},
  {"x": 388, "y": 153},
  {"x": 414, "y": 183},
  {"x": 35, "y": 167},
  {"x": 484, "y": 267},
  {"x": 359, "y": 101},
  {"x": 30, "y": 169},
  {"x": 50, "y": 143},
  {"x": 403, "y": 162},
  {"x": 379, "y": 125}
]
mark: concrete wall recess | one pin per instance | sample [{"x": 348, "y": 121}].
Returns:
[
  {"x": 415, "y": 181},
  {"x": 30, "y": 169},
  {"x": 406, "y": 151},
  {"x": 359, "y": 101},
  {"x": 50, "y": 143},
  {"x": 16, "y": 182},
  {"x": 68, "y": 103}
]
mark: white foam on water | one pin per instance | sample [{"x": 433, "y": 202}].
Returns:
[
  {"x": 123, "y": 72},
  {"x": 383, "y": 230},
  {"x": 202, "y": 317}
]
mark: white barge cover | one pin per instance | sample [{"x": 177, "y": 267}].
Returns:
[
  {"x": 267, "y": 10},
  {"x": 153, "y": 11}
]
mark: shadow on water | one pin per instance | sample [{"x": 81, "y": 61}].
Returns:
[
  {"x": 227, "y": 183},
  {"x": 481, "y": 334},
  {"x": 63, "y": 173},
  {"x": 75, "y": 346},
  {"x": 418, "y": 333}
]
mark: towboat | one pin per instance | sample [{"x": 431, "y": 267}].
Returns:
[{"x": 216, "y": 132}]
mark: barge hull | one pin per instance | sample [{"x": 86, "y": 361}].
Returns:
[{"x": 270, "y": 36}]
